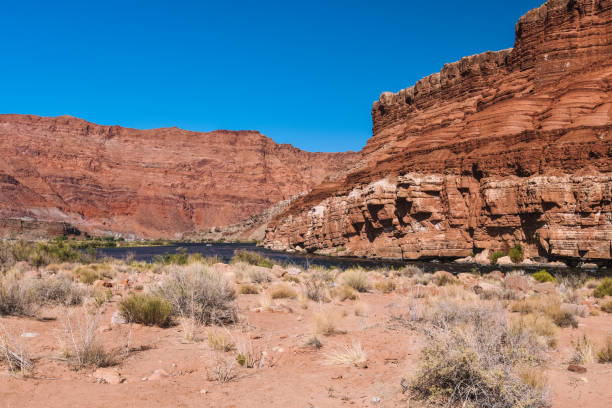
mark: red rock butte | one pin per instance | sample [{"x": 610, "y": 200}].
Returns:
[
  {"x": 60, "y": 173},
  {"x": 500, "y": 148}
]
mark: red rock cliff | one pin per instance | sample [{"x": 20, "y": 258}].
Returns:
[
  {"x": 498, "y": 148},
  {"x": 152, "y": 183}
]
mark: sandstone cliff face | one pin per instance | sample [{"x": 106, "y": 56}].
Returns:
[
  {"x": 151, "y": 183},
  {"x": 498, "y": 148}
]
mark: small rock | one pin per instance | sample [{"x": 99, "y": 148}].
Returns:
[
  {"x": 483, "y": 257},
  {"x": 504, "y": 260},
  {"x": 375, "y": 400},
  {"x": 203, "y": 391},
  {"x": 158, "y": 374},
  {"x": 108, "y": 375},
  {"x": 576, "y": 369},
  {"x": 30, "y": 335}
]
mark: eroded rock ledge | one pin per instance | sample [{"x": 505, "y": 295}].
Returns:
[{"x": 499, "y": 148}]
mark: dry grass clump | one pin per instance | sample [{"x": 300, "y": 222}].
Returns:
[
  {"x": 23, "y": 297},
  {"x": 540, "y": 325},
  {"x": 409, "y": 271},
  {"x": 90, "y": 273},
  {"x": 356, "y": 279},
  {"x": 220, "y": 340},
  {"x": 223, "y": 369},
  {"x": 249, "y": 355},
  {"x": 283, "y": 291},
  {"x": 82, "y": 346},
  {"x": 352, "y": 355},
  {"x": 604, "y": 355},
  {"x": 198, "y": 292},
  {"x": 326, "y": 324},
  {"x": 473, "y": 358},
  {"x": 248, "y": 289},
  {"x": 550, "y": 306},
  {"x": 251, "y": 258},
  {"x": 607, "y": 306},
  {"x": 584, "y": 350},
  {"x": 323, "y": 274},
  {"x": 14, "y": 354},
  {"x": 146, "y": 309},
  {"x": 345, "y": 292},
  {"x": 265, "y": 301},
  {"x": 316, "y": 290},
  {"x": 258, "y": 274},
  {"x": 385, "y": 286},
  {"x": 314, "y": 342}
]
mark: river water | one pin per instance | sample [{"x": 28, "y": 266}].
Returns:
[{"x": 225, "y": 251}]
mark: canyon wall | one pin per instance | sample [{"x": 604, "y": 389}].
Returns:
[
  {"x": 499, "y": 148},
  {"x": 144, "y": 183}
]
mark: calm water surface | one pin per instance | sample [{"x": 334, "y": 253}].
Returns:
[{"x": 225, "y": 251}]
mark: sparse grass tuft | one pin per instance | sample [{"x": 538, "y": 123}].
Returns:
[
  {"x": 248, "y": 290},
  {"x": 385, "y": 286},
  {"x": 14, "y": 354},
  {"x": 283, "y": 291},
  {"x": 607, "y": 306},
  {"x": 325, "y": 324},
  {"x": 352, "y": 355},
  {"x": 345, "y": 292},
  {"x": 584, "y": 351},
  {"x": 146, "y": 309},
  {"x": 604, "y": 355},
  {"x": 356, "y": 279},
  {"x": 220, "y": 340},
  {"x": 315, "y": 290}
]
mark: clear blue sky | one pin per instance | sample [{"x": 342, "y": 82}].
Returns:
[{"x": 304, "y": 73}]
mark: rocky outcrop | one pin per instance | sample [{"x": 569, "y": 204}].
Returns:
[
  {"x": 147, "y": 183},
  {"x": 499, "y": 148}
]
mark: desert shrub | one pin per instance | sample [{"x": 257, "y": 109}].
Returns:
[
  {"x": 291, "y": 278},
  {"x": 258, "y": 275},
  {"x": 604, "y": 355},
  {"x": 146, "y": 309},
  {"x": 252, "y": 258},
  {"x": 283, "y": 291},
  {"x": 58, "y": 290},
  {"x": 16, "y": 298},
  {"x": 607, "y": 306},
  {"x": 315, "y": 290},
  {"x": 494, "y": 256},
  {"x": 345, "y": 292},
  {"x": 356, "y": 279},
  {"x": 543, "y": 276},
  {"x": 473, "y": 358},
  {"x": 88, "y": 275},
  {"x": 200, "y": 293},
  {"x": 540, "y": 325},
  {"x": 248, "y": 290},
  {"x": 42, "y": 254},
  {"x": 13, "y": 354},
  {"x": 82, "y": 346},
  {"x": 584, "y": 350},
  {"x": 516, "y": 253},
  {"x": 444, "y": 279},
  {"x": 385, "y": 286},
  {"x": 549, "y": 306},
  {"x": 604, "y": 288}
]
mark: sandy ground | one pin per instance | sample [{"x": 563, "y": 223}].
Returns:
[{"x": 299, "y": 376}]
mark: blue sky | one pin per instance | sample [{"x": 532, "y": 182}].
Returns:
[{"x": 304, "y": 73}]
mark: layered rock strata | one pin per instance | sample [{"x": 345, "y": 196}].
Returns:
[
  {"x": 497, "y": 149},
  {"x": 146, "y": 183}
]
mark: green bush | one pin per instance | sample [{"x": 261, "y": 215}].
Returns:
[
  {"x": 516, "y": 253},
  {"x": 495, "y": 256},
  {"x": 146, "y": 309},
  {"x": 252, "y": 258},
  {"x": 604, "y": 288},
  {"x": 544, "y": 276}
]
